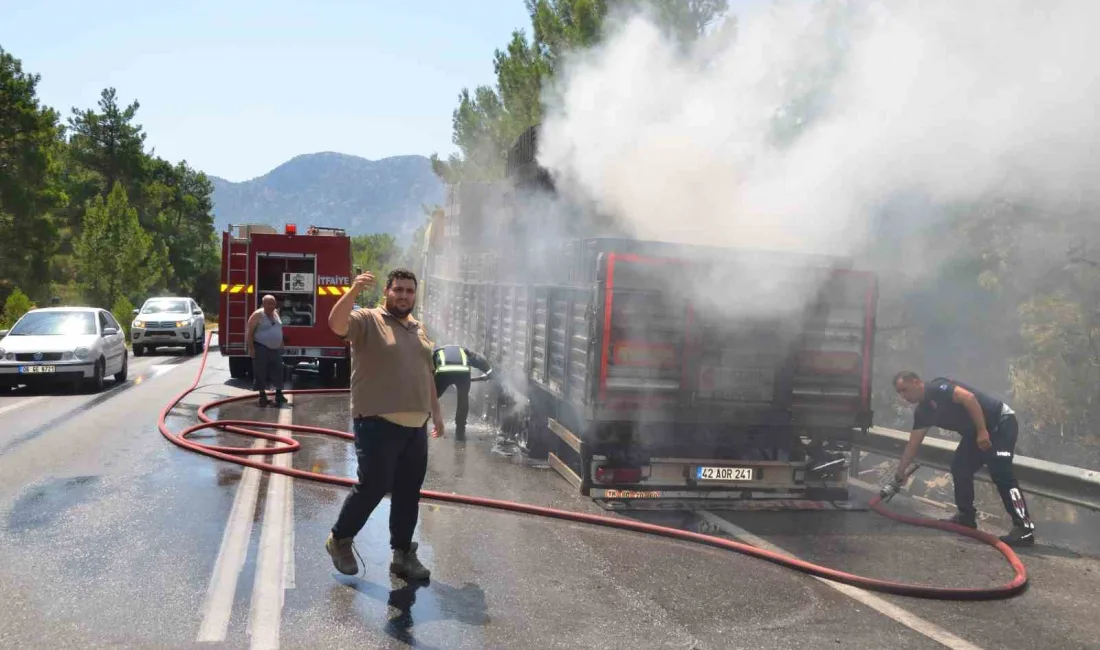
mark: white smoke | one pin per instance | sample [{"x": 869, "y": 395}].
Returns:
[{"x": 792, "y": 134}]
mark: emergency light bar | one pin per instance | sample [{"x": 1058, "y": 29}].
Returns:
[{"x": 291, "y": 229}]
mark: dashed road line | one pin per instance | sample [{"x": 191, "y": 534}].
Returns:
[
  {"x": 218, "y": 606},
  {"x": 18, "y": 405},
  {"x": 276, "y": 545}
]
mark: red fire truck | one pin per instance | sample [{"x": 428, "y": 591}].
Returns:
[{"x": 306, "y": 273}]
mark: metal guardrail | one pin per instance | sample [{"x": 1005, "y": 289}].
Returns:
[{"x": 1073, "y": 485}]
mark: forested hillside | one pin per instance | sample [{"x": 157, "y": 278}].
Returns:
[{"x": 87, "y": 214}]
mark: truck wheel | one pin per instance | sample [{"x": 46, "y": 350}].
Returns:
[
  {"x": 533, "y": 434},
  {"x": 326, "y": 370},
  {"x": 237, "y": 367},
  {"x": 343, "y": 373}
]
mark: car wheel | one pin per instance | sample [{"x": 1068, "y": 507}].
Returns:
[
  {"x": 120, "y": 376},
  {"x": 96, "y": 382}
]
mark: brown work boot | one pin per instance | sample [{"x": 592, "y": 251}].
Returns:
[
  {"x": 342, "y": 557},
  {"x": 406, "y": 565}
]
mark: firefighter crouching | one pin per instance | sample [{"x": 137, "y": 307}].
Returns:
[{"x": 452, "y": 368}]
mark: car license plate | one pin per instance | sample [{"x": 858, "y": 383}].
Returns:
[
  {"x": 35, "y": 370},
  {"x": 723, "y": 473}
]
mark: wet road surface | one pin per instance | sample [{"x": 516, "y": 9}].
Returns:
[{"x": 113, "y": 537}]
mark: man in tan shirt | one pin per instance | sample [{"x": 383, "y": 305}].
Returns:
[{"x": 392, "y": 398}]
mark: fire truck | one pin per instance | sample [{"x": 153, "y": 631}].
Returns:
[
  {"x": 306, "y": 273},
  {"x": 654, "y": 374}
]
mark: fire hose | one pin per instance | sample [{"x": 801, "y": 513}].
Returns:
[{"x": 286, "y": 444}]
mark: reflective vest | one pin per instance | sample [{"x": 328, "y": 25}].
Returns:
[{"x": 451, "y": 358}]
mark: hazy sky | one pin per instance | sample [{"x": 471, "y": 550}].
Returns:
[{"x": 240, "y": 86}]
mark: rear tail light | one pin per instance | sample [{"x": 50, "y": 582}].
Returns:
[{"x": 617, "y": 475}]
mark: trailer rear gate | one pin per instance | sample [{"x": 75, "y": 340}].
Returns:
[{"x": 622, "y": 346}]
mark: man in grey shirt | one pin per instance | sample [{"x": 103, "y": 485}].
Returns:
[{"x": 265, "y": 346}]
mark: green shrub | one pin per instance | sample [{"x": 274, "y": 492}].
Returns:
[
  {"x": 15, "y": 306},
  {"x": 122, "y": 313}
]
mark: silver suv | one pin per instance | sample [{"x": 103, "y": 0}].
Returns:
[{"x": 168, "y": 322}]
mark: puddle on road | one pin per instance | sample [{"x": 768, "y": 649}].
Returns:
[
  {"x": 43, "y": 504},
  {"x": 409, "y": 604}
]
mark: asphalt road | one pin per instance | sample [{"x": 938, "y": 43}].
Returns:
[{"x": 113, "y": 537}]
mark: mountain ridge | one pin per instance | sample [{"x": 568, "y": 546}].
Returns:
[{"x": 329, "y": 188}]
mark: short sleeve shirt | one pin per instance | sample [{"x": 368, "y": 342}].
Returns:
[
  {"x": 391, "y": 364},
  {"x": 939, "y": 409}
]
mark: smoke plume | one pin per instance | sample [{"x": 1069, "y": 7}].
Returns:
[{"x": 792, "y": 129}]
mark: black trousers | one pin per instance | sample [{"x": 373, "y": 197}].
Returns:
[
  {"x": 461, "y": 382},
  {"x": 392, "y": 459},
  {"x": 969, "y": 458},
  {"x": 267, "y": 369}
]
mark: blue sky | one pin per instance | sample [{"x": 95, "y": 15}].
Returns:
[{"x": 240, "y": 86}]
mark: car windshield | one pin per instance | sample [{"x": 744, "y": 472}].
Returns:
[
  {"x": 165, "y": 307},
  {"x": 55, "y": 323}
]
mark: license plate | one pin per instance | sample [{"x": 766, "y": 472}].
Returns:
[
  {"x": 723, "y": 473},
  {"x": 34, "y": 370}
]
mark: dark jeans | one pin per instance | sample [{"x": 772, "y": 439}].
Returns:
[
  {"x": 461, "y": 382},
  {"x": 267, "y": 369},
  {"x": 969, "y": 458},
  {"x": 392, "y": 459}
]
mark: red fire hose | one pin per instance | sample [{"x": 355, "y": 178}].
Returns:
[{"x": 288, "y": 445}]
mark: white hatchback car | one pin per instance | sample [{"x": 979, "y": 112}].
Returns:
[
  {"x": 81, "y": 345},
  {"x": 168, "y": 322}
]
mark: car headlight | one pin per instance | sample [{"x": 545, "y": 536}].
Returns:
[
  {"x": 81, "y": 353},
  {"x": 183, "y": 323},
  {"x": 139, "y": 323}
]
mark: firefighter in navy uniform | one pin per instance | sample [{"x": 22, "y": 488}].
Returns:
[
  {"x": 452, "y": 368},
  {"x": 988, "y": 429}
]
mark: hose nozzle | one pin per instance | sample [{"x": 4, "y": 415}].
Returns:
[{"x": 894, "y": 483}]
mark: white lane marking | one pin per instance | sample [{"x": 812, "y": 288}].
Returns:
[
  {"x": 884, "y": 607},
  {"x": 161, "y": 368},
  {"x": 18, "y": 405},
  {"x": 218, "y": 606},
  {"x": 288, "y": 557},
  {"x": 271, "y": 568}
]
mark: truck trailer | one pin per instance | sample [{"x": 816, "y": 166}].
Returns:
[
  {"x": 306, "y": 273},
  {"x": 655, "y": 374}
]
